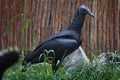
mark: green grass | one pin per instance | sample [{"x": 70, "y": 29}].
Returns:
[{"x": 35, "y": 72}]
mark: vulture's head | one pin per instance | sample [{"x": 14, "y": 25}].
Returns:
[{"x": 83, "y": 10}]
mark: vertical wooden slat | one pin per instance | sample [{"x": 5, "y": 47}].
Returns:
[
  {"x": 118, "y": 25},
  {"x": 0, "y": 23},
  {"x": 115, "y": 25}
]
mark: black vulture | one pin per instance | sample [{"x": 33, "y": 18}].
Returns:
[
  {"x": 8, "y": 57},
  {"x": 62, "y": 43}
]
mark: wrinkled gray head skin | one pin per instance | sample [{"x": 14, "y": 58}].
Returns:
[{"x": 83, "y": 9}]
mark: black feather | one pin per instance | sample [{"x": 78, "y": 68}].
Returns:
[{"x": 7, "y": 58}]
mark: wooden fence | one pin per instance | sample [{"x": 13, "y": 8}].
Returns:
[{"x": 49, "y": 16}]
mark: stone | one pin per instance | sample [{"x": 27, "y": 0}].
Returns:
[
  {"x": 107, "y": 57},
  {"x": 75, "y": 60}
]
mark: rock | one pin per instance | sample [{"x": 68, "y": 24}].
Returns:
[
  {"x": 75, "y": 60},
  {"x": 105, "y": 58}
]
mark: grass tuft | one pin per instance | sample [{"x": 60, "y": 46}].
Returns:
[{"x": 37, "y": 72}]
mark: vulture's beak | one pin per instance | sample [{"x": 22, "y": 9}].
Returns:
[{"x": 91, "y": 14}]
